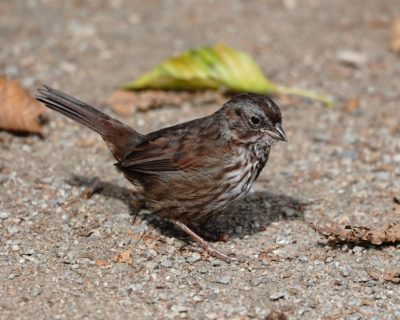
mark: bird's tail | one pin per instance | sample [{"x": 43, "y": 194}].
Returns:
[{"x": 120, "y": 138}]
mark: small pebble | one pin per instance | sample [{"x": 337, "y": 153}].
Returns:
[
  {"x": 329, "y": 259},
  {"x": 215, "y": 262},
  {"x": 345, "y": 271},
  {"x": 203, "y": 270},
  {"x": 12, "y": 230},
  {"x": 179, "y": 308},
  {"x": 31, "y": 259},
  {"x": 289, "y": 212},
  {"x": 238, "y": 229},
  {"x": 3, "y": 215},
  {"x": 347, "y": 154},
  {"x": 383, "y": 176},
  {"x": 281, "y": 239},
  {"x": 370, "y": 283},
  {"x": 276, "y": 296},
  {"x": 303, "y": 258},
  {"x": 166, "y": 263},
  {"x": 224, "y": 280},
  {"x": 134, "y": 288},
  {"x": 279, "y": 252},
  {"x": 352, "y": 58},
  {"x": 36, "y": 292},
  {"x": 11, "y": 70},
  {"x": 358, "y": 249},
  {"x": 193, "y": 258},
  {"x": 363, "y": 279},
  {"x": 256, "y": 281},
  {"x": 354, "y": 302},
  {"x": 150, "y": 253}
]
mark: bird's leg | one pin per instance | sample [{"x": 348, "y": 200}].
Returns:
[
  {"x": 203, "y": 243},
  {"x": 209, "y": 234}
]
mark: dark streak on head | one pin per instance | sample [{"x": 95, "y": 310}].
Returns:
[{"x": 250, "y": 100}]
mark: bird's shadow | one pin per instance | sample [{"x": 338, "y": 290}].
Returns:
[{"x": 252, "y": 215}]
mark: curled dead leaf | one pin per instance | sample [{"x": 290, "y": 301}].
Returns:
[
  {"x": 20, "y": 112},
  {"x": 123, "y": 257},
  {"x": 388, "y": 234},
  {"x": 395, "y": 36}
]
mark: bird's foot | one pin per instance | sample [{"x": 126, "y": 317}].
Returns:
[{"x": 212, "y": 251}]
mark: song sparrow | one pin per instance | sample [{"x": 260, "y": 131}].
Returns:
[{"x": 193, "y": 170}]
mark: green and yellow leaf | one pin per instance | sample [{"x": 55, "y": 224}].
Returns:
[{"x": 213, "y": 68}]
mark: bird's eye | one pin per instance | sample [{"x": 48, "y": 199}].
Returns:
[{"x": 255, "y": 120}]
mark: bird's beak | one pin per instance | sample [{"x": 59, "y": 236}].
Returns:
[
  {"x": 281, "y": 135},
  {"x": 277, "y": 133}
]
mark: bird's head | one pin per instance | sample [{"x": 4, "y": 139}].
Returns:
[{"x": 252, "y": 118}]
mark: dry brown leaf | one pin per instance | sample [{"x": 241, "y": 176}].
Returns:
[
  {"x": 375, "y": 275},
  {"x": 351, "y": 105},
  {"x": 20, "y": 112},
  {"x": 367, "y": 302},
  {"x": 149, "y": 240},
  {"x": 101, "y": 263},
  {"x": 392, "y": 275},
  {"x": 123, "y": 257},
  {"x": 388, "y": 234},
  {"x": 276, "y": 315},
  {"x": 126, "y": 103},
  {"x": 395, "y": 36}
]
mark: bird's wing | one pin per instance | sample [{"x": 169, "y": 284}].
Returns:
[
  {"x": 179, "y": 152},
  {"x": 154, "y": 155}
]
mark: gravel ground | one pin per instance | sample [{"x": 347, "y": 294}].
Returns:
[{"x": 66, "y": 257}]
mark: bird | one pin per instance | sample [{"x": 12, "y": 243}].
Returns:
[{"x": 191, "y": 171}]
